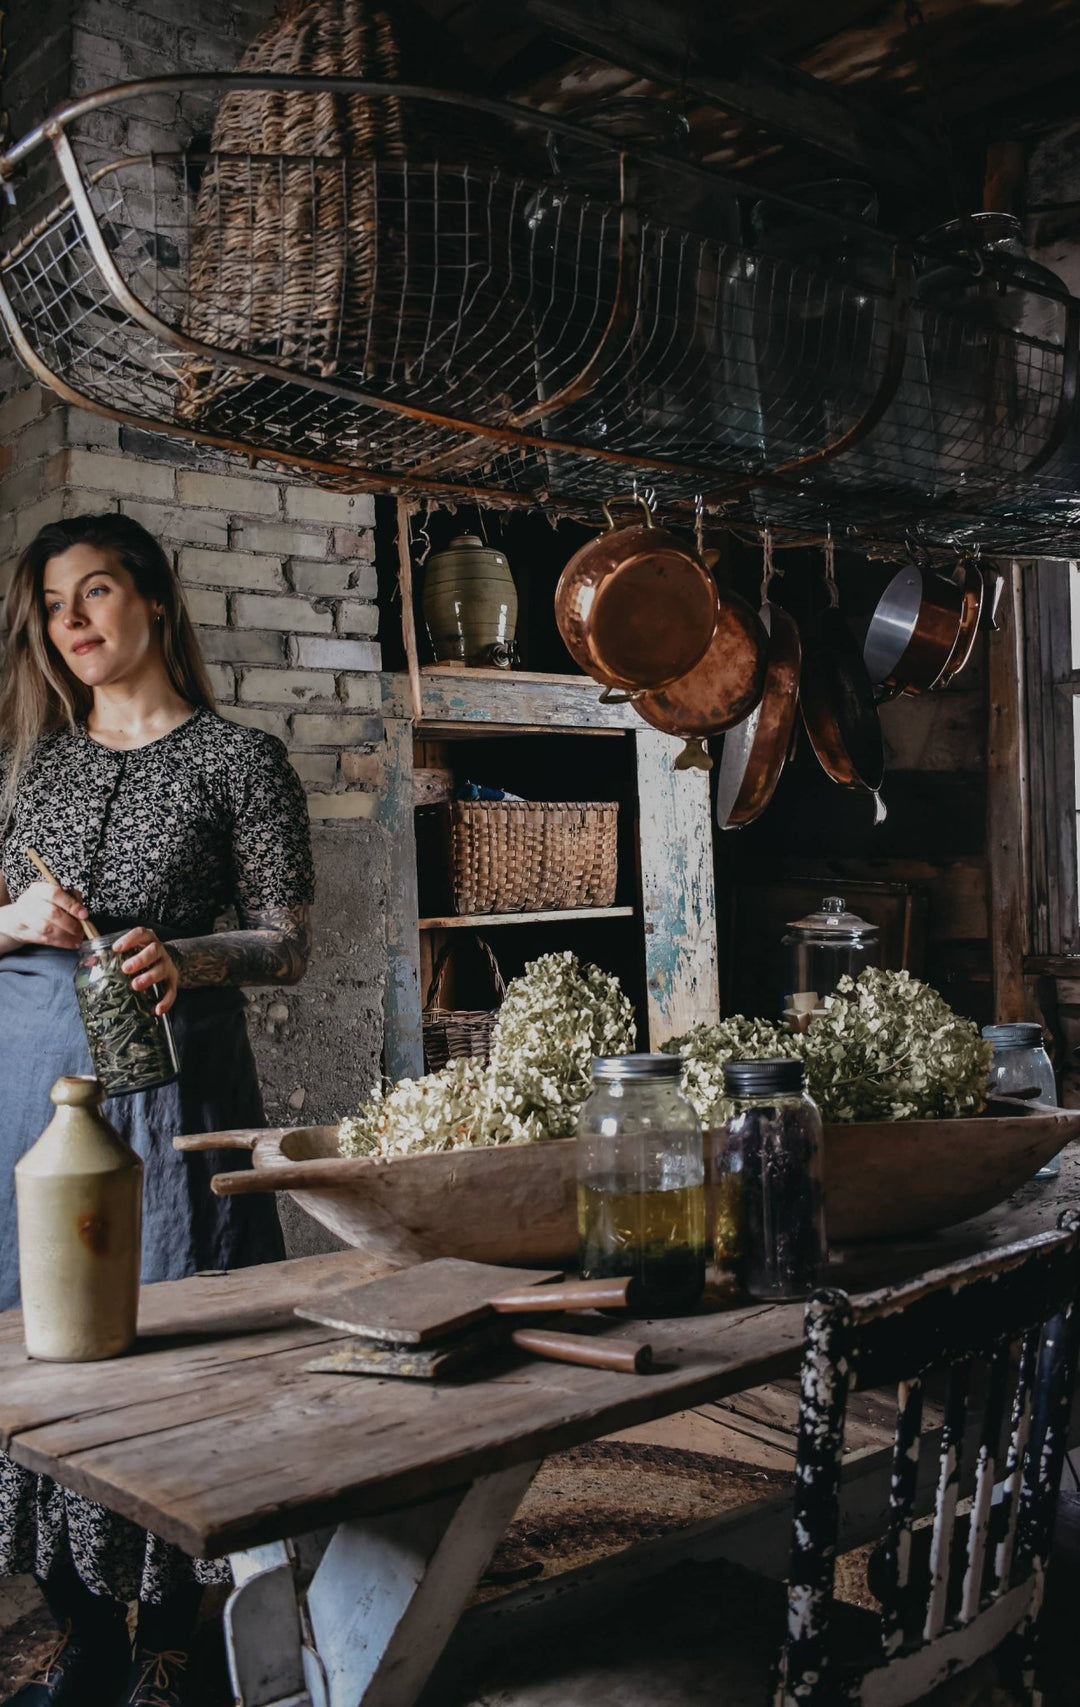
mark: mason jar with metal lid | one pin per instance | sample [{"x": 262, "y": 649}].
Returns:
[
  {"x": 641, "y": 1181},
  {"x": 772, "y": 1150},
  {"x": 823, "y": 948},
  {"x": 131, "y": 1046},
  {"x": 1022, "y": 1068}
]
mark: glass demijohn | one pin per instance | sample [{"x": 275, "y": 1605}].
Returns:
[
  {"x": 132, "y": 1048},
  {"x": 641, "y": 1182}
]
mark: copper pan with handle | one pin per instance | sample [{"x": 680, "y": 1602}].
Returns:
[
  {"x": 756, "y": 750},
  {"x": 923, "y": 629},
  {"x": 636, "y": 607},
  {"x": 839, "y": 707},
  {"x": 719, "y": 692}
]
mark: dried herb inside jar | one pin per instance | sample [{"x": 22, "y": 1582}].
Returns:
[
  {"x": 776, "y": 1129},
  {"x": 131, "y": 1047}
]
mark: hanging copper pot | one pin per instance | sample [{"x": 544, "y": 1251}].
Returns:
[
  {"x": 756, "y": 750},
  {"x": 717, "y": 693},
  {"x": 635, "y": 606},
  {"x": 838, "y": 706},
  {"x": 973, "y": 594},
  {"x": 914, "y": 631}
]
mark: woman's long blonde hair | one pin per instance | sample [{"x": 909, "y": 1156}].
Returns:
[{"x": 38, "y": 693}]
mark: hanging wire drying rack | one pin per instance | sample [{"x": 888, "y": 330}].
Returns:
[{"x": 520, "y": 312}]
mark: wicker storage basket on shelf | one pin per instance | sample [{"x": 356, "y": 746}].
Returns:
[
  {"x": 452, "y": 1032},
  {"x": 527, "y": 856}
]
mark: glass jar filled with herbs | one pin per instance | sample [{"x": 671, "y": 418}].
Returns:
[
  {"x": 772, "y": 1149},
  {"x": 641, "y": 1182},
  {"x": 131, "y": 1046}
]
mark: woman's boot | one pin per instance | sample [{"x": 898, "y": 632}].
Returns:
[
  {"x": 89, "y": 1660},
  {"x": 162, "y": 1643}
]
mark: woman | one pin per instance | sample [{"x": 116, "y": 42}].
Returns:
[{"x": 156, "y": 816}]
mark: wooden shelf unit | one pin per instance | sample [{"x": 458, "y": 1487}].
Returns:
[{"x": 485, "y": 921}]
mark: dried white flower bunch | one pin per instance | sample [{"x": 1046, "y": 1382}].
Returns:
[
  {"x": 555, "y": 1018},
  {"x": 887, "y": 1047}
]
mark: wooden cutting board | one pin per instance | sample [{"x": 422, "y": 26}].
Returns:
[{"x": 429, "y": 1302}]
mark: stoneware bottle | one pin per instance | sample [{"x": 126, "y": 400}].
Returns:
[
  {"x": 470, "y": 603},
  {"x": 79, "y": 1198}
]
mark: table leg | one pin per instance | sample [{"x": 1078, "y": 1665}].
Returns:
[{"x": 380, "y": 1606}]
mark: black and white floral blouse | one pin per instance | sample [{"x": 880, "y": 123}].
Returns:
[{"x": 170, "y": 835}]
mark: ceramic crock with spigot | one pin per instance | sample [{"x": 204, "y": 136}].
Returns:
[
  {"x": 79, "y": 1198},
  {"x": 470, "y": 603}
]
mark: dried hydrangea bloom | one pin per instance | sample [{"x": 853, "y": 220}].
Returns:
[{"x": 555, "y": 1018}]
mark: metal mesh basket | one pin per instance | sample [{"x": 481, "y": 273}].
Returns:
[{"x": 389, "y": 310}]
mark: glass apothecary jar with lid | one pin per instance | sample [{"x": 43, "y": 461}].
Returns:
[
  {"x": 822, "y": 948},
  {"x": 1022, "y": 1068},
  {"x": 132, "y": 1048},
  {"x": 641, "y": 1182},
  {"x": 770, "y": 1187}
]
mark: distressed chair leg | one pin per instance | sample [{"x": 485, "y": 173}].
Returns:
[
  {"x": 389, "y": 1590},
  {"x": 263, "y": 1641}
]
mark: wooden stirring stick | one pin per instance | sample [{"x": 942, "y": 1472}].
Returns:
[{"x": 90, "y": 930}]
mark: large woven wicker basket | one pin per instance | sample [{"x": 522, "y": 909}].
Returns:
[
  {"x": 299, "y": 253},
  {"x": 526, "y": 856}
]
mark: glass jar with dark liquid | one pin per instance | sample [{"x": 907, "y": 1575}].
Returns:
[{"x": 641, "y": 1182}]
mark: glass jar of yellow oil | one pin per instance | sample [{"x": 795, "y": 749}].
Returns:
[{"x": 641, "y": 1182}]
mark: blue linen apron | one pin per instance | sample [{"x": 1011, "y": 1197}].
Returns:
[{"x": 185, "y": 1227}]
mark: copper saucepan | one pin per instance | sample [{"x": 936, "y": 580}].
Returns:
[
  {"x": 838, "y": 705},
  {"x": 756, "y": 750},
  {"x": 973, "y": 594},
  {"x": 914, "y": 631},
  {"x": 717, "y": 693},
  {"x": 635, "y": 606}
]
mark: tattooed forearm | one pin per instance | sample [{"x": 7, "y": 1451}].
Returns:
[{"x": 272, "y": 948}]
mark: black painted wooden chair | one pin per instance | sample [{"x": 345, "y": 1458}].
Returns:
[{"x": 1004, "y": 1328}]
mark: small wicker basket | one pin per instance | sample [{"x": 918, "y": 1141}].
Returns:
[
  {"x": 528, "y": 856},
  {"x": 452, "y": 1032}
]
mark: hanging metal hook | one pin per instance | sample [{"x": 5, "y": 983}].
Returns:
[{"x": 829, "y": 553}]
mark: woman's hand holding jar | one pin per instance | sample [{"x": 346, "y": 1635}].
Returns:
[{"x": 151, "y": 963}]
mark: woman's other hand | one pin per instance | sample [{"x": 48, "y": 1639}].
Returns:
[
  {"x": 146, "y": 960},
  {"x": 46, "y": 915}
]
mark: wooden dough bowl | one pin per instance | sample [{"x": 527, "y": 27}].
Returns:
[{"x": 516, "y": 1203}]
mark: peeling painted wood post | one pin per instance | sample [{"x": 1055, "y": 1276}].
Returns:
[
  {"x": 985, "y": 1475},
  {"x": 896, "y": 1594},
  {"x": 404, "y": 1047},
  {"x": 826, "y": 1373},
  {"x": 1007, "y": 1511},
  {"x": 1049, "y": 1427},
  {"x": 948, "y": 1490},
  {"x": 678, "y": 891}
]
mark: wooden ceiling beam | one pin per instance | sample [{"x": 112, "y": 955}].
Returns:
[{"x": 681, "y": 45}]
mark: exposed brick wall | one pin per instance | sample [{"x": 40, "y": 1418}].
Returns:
[{"x": 279, "y": 577}]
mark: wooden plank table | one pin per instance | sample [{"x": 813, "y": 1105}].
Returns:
[{"x": 381, "y": 1501}]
